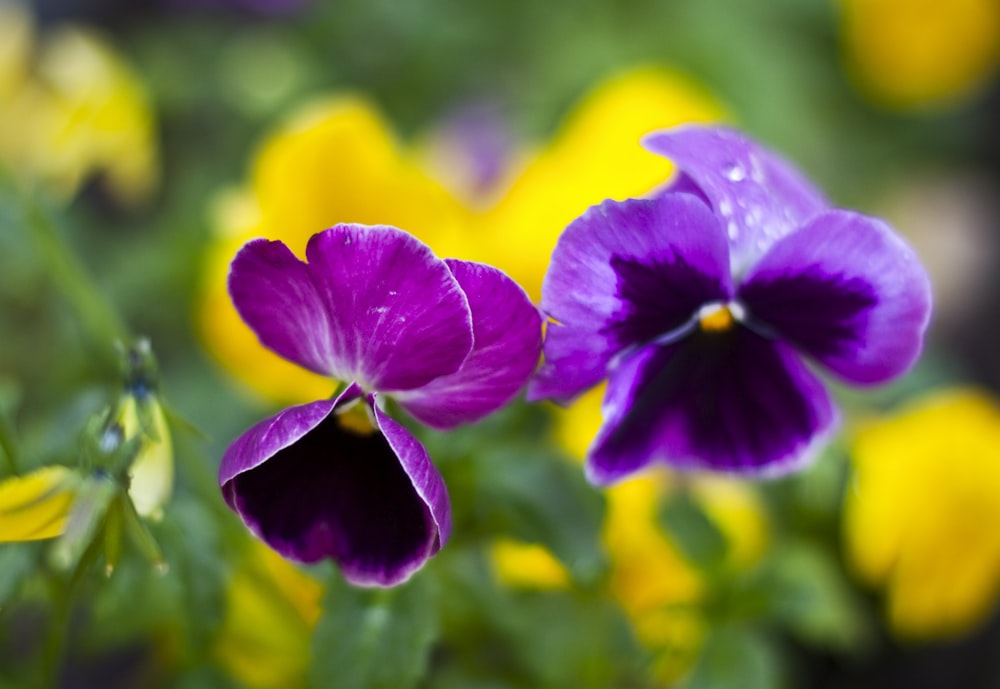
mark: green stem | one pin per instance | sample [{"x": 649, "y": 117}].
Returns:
[
  {"x": 99, "y": 320},
  {"x": 8, "y": 445}
]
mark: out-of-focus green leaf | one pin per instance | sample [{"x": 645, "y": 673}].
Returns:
[
  {"x": 534, "y": 495},
  {"x": 737, "y": 657},
  {"x": 17, "y": 560},
  {"x": 698, "y": 538},
  {"x": 807, "y": 592},
  {"x": 374, "y": 638}
]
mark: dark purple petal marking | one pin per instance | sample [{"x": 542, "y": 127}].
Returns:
[
  {"x": 622, "y": 274},
  {"x": 846, "y": 290},
  {"x": 728, "y": 401},
  {"x": 398, "y": 317},
  {"x": 335, "y": 493},
  {"x": 274, "y": 295},
  {"x": 507, "y": 331},
  {"x": 759, "y": 196}
]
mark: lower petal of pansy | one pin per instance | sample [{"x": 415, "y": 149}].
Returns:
[
  {"x": 625, "y": 273},
  {"x": 398, "y": 315},
  {"x": 725, "y": 401},
  {"x": 371, "y": 502},
  {"x": 507, "y": 330},
  {"x": 846, "y": 290}
]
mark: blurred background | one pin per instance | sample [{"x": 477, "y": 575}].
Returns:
[{"x": 142, "y": 143}]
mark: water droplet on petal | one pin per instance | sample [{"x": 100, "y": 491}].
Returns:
[{"x": 736, "y": 172}]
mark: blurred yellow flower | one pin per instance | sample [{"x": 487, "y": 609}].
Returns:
[
  {"x": 271, "y": 608},
  {"x": 922, "y": 511},
  {"x": 660, "y": 590},
  {"x": 921, "y": 53},
  {"x": 527, "y": 565},
  {"x": 337, "y": 161},
  {"x": 71, "y": 111},
  {"x": 36, "y": 506}
]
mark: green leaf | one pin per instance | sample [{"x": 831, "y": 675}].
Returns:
[
  {"x": 17, "y": 562},
  {"x": 539, "y": 497},
  {"x": 808, "y": 593},
  {"x": 374, "y": 638},
  {"x": 694, "y": 533},
  {"x": 737, "y": 657}
]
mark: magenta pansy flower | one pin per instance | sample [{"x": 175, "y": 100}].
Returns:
[
  {"x": 707, "y": 307},
  {"x": 451, "y": 341}
]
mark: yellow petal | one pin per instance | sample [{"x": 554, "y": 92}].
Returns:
[
  {"x": 271, "y": 608},
  {"x": 86, "y": 113},
  {"x": 920, "y": 514},
  {"x": 16, "y": 43},
  {"x": 596, "y": 155},
  {"x": 920, "y": 53},
  {"x": 36, "y": 506},
  {"x": 151, "y": 476},
  {"x": 527, "y": 565}
]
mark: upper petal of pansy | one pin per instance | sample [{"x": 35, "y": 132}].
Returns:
[
  {"x": 507, "y": 330},
  {"x": 312, "y": 488},
  {"x": 846, "y": 290},
  {"x": 274, "y": 295},
  {"x": 397, "y": 316},
  {"x": 622, "y": 274},
  {"x": 728, "y": 401},
  {"x": 757, "y": 194}
]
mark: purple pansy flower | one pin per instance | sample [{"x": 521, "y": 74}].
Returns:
[
  {"x": 700, "y": 304},
  {"x": 451, "y": 341}
]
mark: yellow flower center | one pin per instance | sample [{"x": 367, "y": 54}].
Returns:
[{"x": 716, "y": 318}]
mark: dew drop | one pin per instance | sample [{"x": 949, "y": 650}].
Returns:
[{"x": 736, "y": 173}]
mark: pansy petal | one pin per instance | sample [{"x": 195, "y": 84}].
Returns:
[
  {"x": 846, "y": 290},
  {"x": 311, "y": 488},
  {"x": 758, "y": 195},
  {"x": 397, "y": 315},
  {"x": 731, "y": 401},
  {"x": 424, "y": 476},
  {"x": 274, "y": 295},
  {"x": 507, "y": 330},
  {"x": 623, "y": 274}
]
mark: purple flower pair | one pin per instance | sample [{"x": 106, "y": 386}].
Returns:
[
  {"x": 450, "y": 340},
  {"x": 699, "y": 305}
]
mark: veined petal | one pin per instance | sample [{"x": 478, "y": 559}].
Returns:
[
  {"x": 846, "y": 290},
  {"x": 507, "y": 330},
  {"x": 759, "y": 196},
  {"x": 623, "y": 274},
  {"x": 731, "y": 401},
  {"x": 274, "y": 295},
  {"x": 311, "y": 489},
  {"x": 397, "y": 316}
]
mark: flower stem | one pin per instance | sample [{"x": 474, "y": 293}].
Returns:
[
  {"x": 99, "y": 320},
  {"x": 8, "y": 445}
]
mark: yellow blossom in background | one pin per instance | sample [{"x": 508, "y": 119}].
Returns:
[
  {"x": 72, "y": 109},
  {"x": 921, "y": 53},
  {"x": 271, "y": 608},
  {"x": 36, "y": 506},
  {"x": 660, "y": 590},
  {"x": 923, "y": 509},
  {"x": 527, "y": 565}
]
